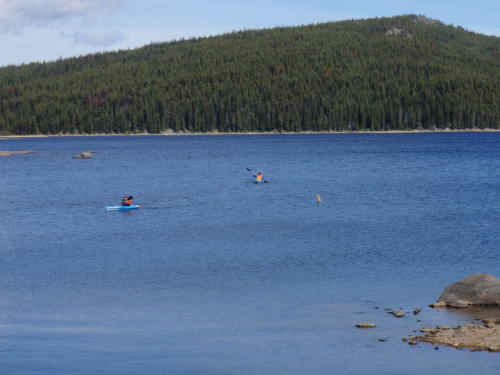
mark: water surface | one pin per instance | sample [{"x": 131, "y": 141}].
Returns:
[{"x": 217, "y": 275}]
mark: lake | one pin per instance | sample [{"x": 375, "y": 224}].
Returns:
[{"x": 218, "y": 275}]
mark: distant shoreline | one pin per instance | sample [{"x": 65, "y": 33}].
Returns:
[{"x": 255, "y": 133}]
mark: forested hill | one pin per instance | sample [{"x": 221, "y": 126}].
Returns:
[{"x": 406, "y": 72}]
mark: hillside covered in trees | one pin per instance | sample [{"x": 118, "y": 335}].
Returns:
[{"x": 399, "y": 73}]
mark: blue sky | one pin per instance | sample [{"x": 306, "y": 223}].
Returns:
[{"x": 44, "y": 30}]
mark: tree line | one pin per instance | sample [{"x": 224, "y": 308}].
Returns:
[{"x": 399, "y": 73}]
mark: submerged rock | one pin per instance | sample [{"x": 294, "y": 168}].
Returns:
[
  {"x": 477, "y": 289},
  {"x": 427, "y": 329}
]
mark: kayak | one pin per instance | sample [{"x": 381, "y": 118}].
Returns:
[
  {"x": 260, "y": 182},
  {"x": 122, "y": 208}
]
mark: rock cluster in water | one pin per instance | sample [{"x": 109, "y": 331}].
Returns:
[{"x": 475, "y": 290}]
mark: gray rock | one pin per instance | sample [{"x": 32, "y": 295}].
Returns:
[
  {"x": 477, "y": 289},
  {"x": 458, "y": 304},
  {"x": 398, "y": 314},
  {"x": 395, "y": 31},
  {"x": 83, "y": 155},
  {"x": 438, "y": 304},
  {"x": 416, "y": 311},
  {"x": 398, "y": 31},
  {"x": 427, "y": 20}
]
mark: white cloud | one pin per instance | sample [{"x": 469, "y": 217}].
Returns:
[{"x": 16, "y": 15}]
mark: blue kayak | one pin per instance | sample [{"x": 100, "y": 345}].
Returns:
[{"x": 122, "y": 208}]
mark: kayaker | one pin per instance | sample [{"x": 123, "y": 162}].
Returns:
[
  {"x": 127, "y": 200},
  {"x": 258, "y": 177}
]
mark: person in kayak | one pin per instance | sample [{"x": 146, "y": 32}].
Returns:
[
  {"x": 258, "y": 177},
  {"x": 127, "y": 200}
]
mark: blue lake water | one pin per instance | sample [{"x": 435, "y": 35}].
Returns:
[{"x": 217, "y": 275}]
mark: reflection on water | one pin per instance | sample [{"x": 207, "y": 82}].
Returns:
[{"x": 477, "y": 312}]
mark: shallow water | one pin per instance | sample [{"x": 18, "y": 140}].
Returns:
[{"x": 217, "y": 275}]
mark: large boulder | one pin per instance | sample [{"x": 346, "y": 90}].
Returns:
[{"x": 477, "y": 289}]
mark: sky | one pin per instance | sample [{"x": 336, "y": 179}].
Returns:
[{"x": 46, "y": 30}]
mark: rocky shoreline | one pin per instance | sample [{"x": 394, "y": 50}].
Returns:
[
  {"x": 172, "y": 133},
  {"x": 476, "y": 337},
  {"x": 478, "y": 297},
  {"x": 476, "y": 290},
  {"x": 470, "y": 336}
]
